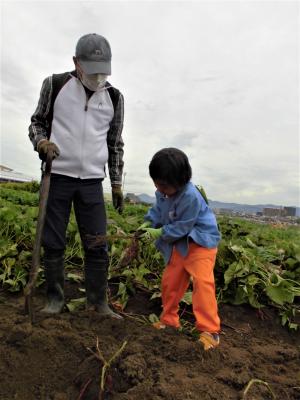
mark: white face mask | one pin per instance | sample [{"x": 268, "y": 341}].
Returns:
[{"x": 93, "y": 81}]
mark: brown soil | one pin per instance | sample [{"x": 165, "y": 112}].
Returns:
[{"x": 50, "y": 360}]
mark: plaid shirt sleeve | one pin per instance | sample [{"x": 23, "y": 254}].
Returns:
[
  {"x": 115, "y": 144},
  {"x": 40, "y": 123}
]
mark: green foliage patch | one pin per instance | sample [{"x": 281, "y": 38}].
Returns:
[{"x": 256, "y": 264}]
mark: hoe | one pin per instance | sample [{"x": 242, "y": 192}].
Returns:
[{"x": 36, "y": 255}]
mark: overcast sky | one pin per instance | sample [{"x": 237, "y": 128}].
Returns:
[{"x": 217, "y": 79}]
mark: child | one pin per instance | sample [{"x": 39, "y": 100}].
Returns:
[{"x": 187, "y": 235}]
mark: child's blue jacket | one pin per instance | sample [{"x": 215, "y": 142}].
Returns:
[{"x": 183, "y": 216}]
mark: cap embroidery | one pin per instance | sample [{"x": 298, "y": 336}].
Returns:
[{"x": 98, "y": 52}]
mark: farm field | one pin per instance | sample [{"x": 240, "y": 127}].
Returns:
[{"x": 56, "y": 358}]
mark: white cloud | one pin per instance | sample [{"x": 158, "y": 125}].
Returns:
[{"x": 217, "y": 79}]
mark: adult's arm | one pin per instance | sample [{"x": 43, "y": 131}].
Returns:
[
  {"x": 40, "y": 124},
  {"x": 115, "y": 144}
]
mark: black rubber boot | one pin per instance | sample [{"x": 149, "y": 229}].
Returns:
[
  {"x": 96, "y": 287},
  {"x": 54, "y": 274}
]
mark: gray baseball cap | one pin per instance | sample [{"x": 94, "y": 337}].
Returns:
[{"x": 94, "y": 54}]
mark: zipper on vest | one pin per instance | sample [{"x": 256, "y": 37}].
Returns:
[
  {"x": 87, "y": 98},
  {"x": 82, "y": 146},
  {"x": 86, "y": 101}
]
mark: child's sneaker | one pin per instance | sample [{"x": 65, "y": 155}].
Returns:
[
  {"x": 159, "y": 325},
  {"x": 209, "y": 340}
]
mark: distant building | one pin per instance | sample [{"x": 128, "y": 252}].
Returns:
[
  {"x": 289, "y": 211},
  {"x": 272, "y": 212},
  {"x": 280, "y": 212},
  {"x": 9, "y": 175}
]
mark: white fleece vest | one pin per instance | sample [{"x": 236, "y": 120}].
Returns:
[{"x": 79, "y": 128}]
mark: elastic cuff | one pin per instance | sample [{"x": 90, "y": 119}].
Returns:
[{"x": 41, "y": 141}]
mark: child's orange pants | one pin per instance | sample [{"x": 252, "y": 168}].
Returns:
[{"x": 199, "y": 265}]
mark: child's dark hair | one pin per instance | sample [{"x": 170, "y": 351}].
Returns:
[{"x": 171, "y": 166}]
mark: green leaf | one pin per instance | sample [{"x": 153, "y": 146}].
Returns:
[
  {"x": 253, "y": 297},
  {"x": 25, "y": 256},
  {"x": 9, "y": 251},
  {"x": 75, "y": 304},
  {"x": 237, "y": 249},
  {"x": 236, "y": 269},
  {"x": 293, "y": 326},
  {"x": 122, "y": 289},
  {"x": 153, "y": 318},
  {"x": 284, "y": 319},
  {"x": 253, "y": 280},
  {"x": 139, "y": 273},
  {"x": 187, "y": 298},
  {"x": 289, "y": 275},
  {"x": 230, "y": 273},
  {"x": 250, "y": 243},
  {"x": 74, "y": 277},
  {"x": 114, "y": 250},
  {"x": 241, "y": 296},
  {"x": 127, "y": 272},
  {"x": 280, "y": 293},
  {"x": 10, "y": 262},
  {"x": 77, "y": 238},
  {"x": 290, "y": 262},
  {"x": 122, "y": 293}
]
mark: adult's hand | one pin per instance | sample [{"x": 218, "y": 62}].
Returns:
[
  {"x": 44, "y": 147},
  {"x": 117, "y": 198}
]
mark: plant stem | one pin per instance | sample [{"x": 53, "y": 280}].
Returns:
[
  {"x": 106, "y": 365},
  {"x": 253, "y": 381}
]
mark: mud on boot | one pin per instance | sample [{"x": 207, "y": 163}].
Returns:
[
  {"x": 96, "y": 288},
  {"x": 53, "y": 306},
  {"x": 54, "y": 274},
  {"x": 103, "y": 309}
]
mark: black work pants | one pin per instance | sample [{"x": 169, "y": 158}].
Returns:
[{"x": 86, "y": 195}]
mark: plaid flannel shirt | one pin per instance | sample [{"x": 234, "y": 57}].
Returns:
[{"x": 42, "y": 118}]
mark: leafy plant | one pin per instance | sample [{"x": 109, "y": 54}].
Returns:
[{"x": 256, "y": 264}]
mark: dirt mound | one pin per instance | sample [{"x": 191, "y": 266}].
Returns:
[{"x": 51, "y": 360}]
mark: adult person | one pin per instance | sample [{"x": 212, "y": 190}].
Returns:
[{"x": 79, "y": 119}]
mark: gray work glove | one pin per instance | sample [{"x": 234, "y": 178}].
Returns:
[
  {"x": 117, "y": 198},
  {"x": 44, "y": 146}
]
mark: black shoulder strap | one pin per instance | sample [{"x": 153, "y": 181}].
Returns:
[
  {"x": 114, "y": 95},
  {"x": 58, "y": 81},
  {"x": 202, "y": 192}
]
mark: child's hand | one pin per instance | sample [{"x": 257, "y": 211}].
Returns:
[{"x": 152, "y": 233}]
